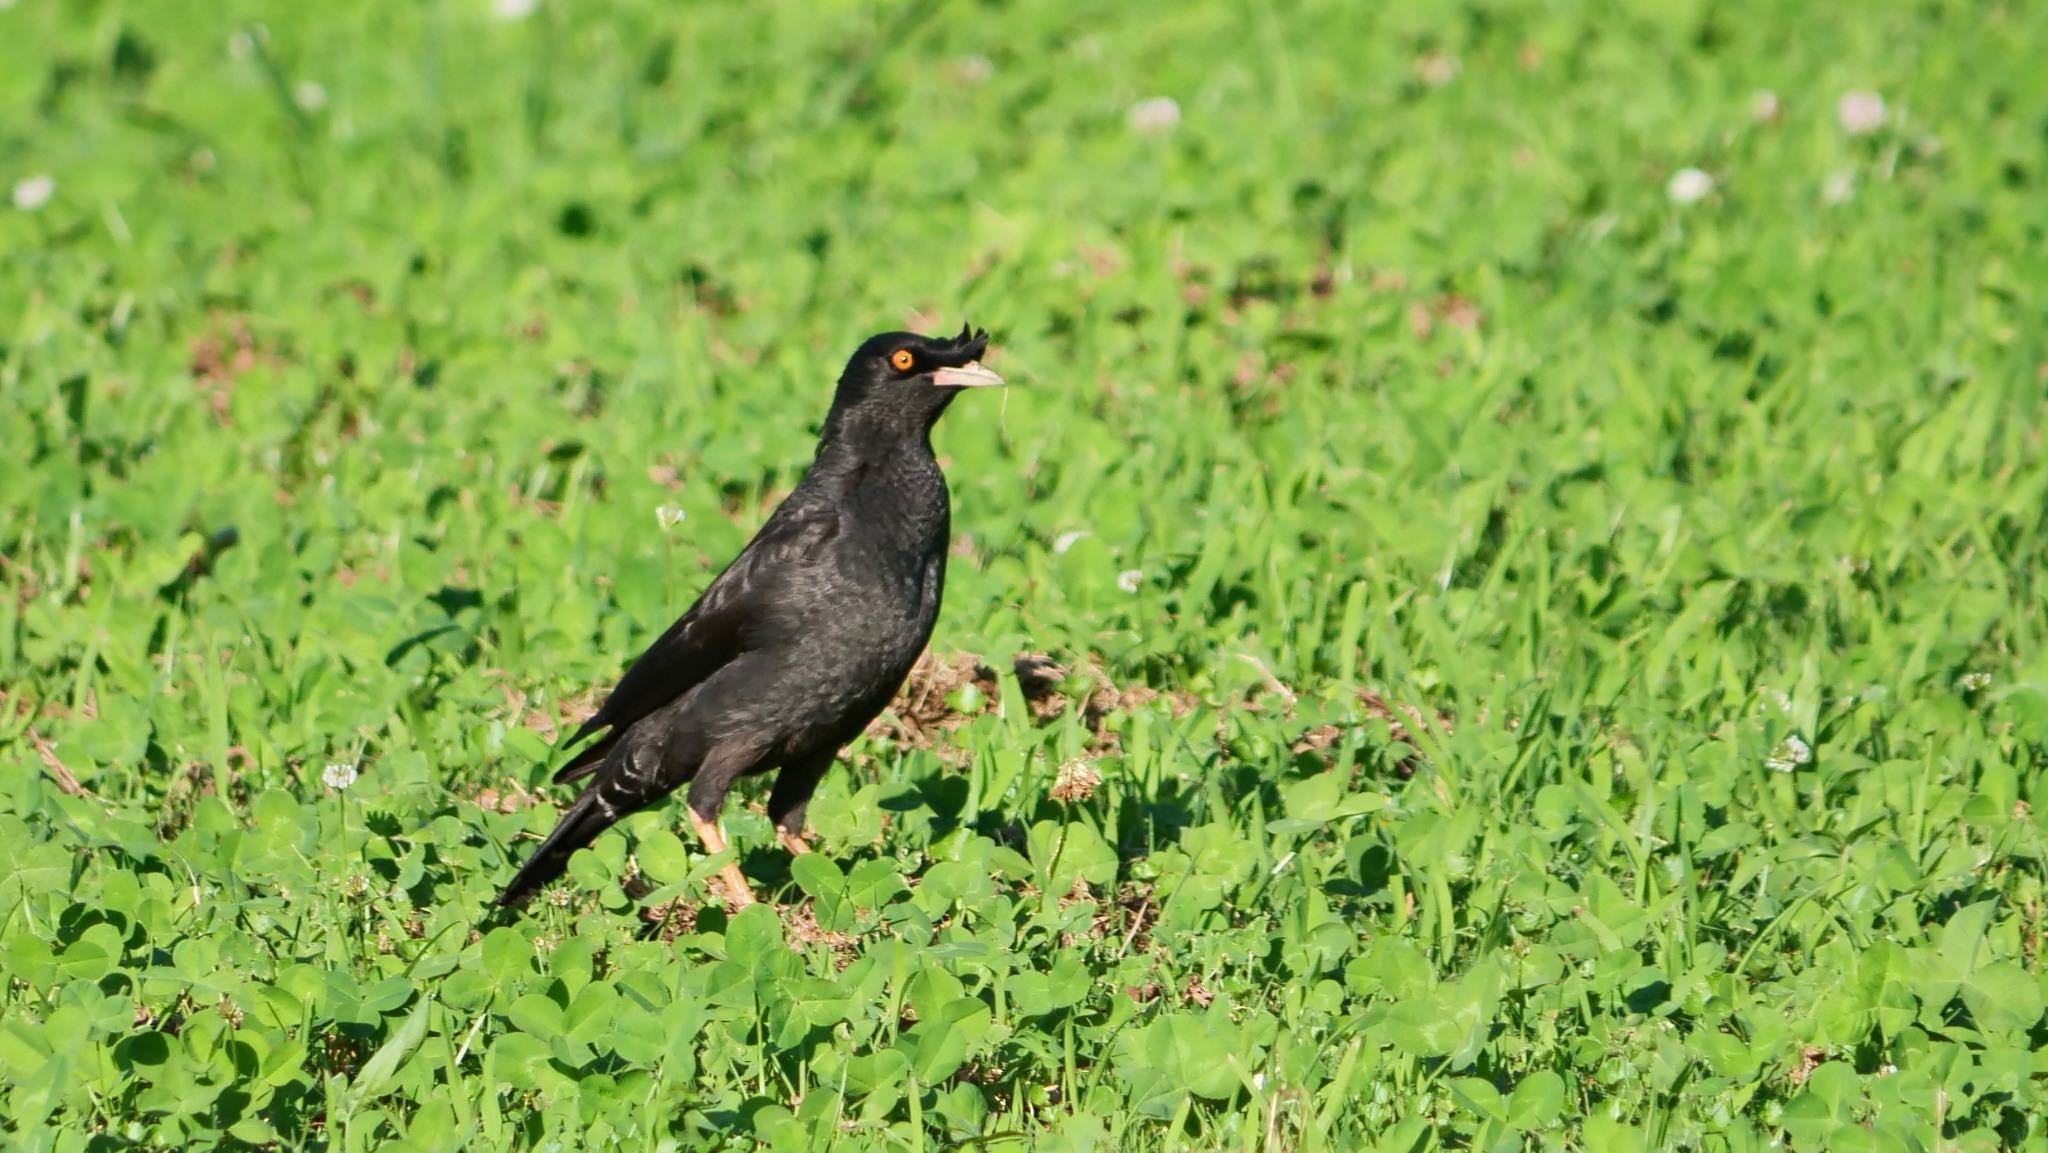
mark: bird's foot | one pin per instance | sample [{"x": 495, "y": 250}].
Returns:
[
  {"x": 794, "y": 842},
  {"x": 737, "y": 894}
]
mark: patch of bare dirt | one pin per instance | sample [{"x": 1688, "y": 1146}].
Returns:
[
  {"x": 923, "y": 710},
  {"x": 801, "y": 921},
  {"x": 1448, "y": 309},
  {"x": 551, "y": 718},
  {"x": 1403, "y": 721},
  {"x": 223, "y": 355},
  {"x": 1810, "y": 1059},
  {"x": 1317, "y": 739},
  {"x": 1043, "y": 681},
  {"x": 1131, "y": 916},
  {"x": 509, "y": 799},
  {"x": 675, "y": 919},
  {"x": 927, "y": 707}
]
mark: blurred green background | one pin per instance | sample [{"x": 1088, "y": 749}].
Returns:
[{"x": 1525, "y": 519}]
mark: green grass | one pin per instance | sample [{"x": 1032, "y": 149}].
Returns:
[{"x": 1475, "y": 541}]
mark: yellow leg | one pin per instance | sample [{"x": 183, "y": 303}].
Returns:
[
  {"x": 736, "y": 890},
  {"x": 794, "y": 842}
]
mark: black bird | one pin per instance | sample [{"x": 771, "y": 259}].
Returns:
[{"x": 804, "y": 638}]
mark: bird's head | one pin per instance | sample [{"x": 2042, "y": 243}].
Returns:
[{"x": 901, "y": 377}]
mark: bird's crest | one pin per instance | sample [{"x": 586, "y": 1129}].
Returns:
[{"x": 971, "y": 341}]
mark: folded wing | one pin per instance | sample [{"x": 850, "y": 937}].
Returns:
[{"x": 743, "y": 605}]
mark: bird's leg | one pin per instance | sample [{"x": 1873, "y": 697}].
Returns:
[
  {"x": 792, "y": 795},
  {"x": 723, "y": 765},
  {"x": 736, "y": 889}
]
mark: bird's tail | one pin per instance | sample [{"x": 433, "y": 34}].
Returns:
[
  {"x": 586, "y": 760},
  {"x": 579, "y": 826}
]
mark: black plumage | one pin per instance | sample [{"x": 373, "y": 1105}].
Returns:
[{"x": 805, "y": 637}]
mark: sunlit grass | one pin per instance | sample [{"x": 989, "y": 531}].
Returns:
[{"x": 1522, "y": 523}]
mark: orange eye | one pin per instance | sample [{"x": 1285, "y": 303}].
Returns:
[{"x": 901, "y": 360}]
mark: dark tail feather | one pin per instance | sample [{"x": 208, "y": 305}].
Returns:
[
  {"x": 579, "y": 826},
  {"x": 586, "y": 761}
]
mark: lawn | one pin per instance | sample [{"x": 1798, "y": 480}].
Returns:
[{"x": 1502, "y": 609}]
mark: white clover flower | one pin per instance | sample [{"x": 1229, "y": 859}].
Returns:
[
  {"x": 1763, "y": 107},
  {"x": 339, "y": 775},
  {"x": 310, "y": 96},
  {"x": 1839, "y": 187},
  {"x": 1154, "y": 117},
  {"x": 512, "y": 11},
  {"x": 1128, "y": 579},
  {"x": 1067, "y": 540},
  {"x": 1971, "y": 682},
  {"x": 1860, "y": 113},
  {"x": 34, "y": 192},
  {"x": 1689, "y": 186},
  {"x": 1791, "y": 753}
]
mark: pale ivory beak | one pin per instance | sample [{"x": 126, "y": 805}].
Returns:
[{"x": 969, "y": 375}]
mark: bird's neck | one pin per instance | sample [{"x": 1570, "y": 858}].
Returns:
[
  {"x": 850, "y": 465},
  {"x": 857, "y": 431},
  {"x": 887, "y": 470}
]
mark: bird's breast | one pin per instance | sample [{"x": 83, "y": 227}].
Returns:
[{"x": 870, "y": 597}]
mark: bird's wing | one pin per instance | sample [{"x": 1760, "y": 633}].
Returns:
[{"x": 741, "y": 604}]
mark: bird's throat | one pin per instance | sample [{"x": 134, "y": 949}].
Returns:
[{"x": 876, "y": 431}]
